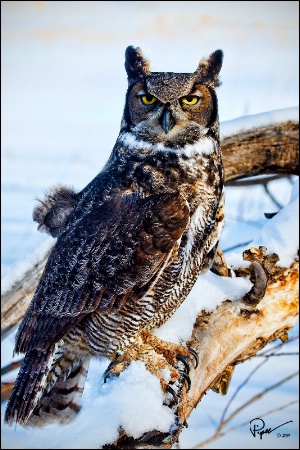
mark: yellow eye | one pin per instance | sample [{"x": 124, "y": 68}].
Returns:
[
  {"x": 190, "y": 100},
  {"x": 148, "y": 99}
]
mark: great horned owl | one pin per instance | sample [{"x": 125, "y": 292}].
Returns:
[{"x": 130, "y": 245}]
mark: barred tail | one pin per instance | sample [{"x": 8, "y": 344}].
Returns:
[
  {"x": 29, "y": 385},
  {"x": 63, "y": 401},
  {"x": 48, "y": 388}
]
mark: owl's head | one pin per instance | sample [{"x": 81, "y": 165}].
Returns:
[{"x": 173, "y": 109}]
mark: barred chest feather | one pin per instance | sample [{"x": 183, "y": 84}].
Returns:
[
  {"x": 197, "y": 173},
  {"x": 195, "y": 170}
]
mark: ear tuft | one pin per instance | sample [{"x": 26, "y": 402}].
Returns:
[
  {"x": 136, "y": 65},
  {"x": 209, "y": 69}
]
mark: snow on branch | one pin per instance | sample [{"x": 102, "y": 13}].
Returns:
[
  {"x": 261, "y": 144},
  {"x": 227, "y": 336}
]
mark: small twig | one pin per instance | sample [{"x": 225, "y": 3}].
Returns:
[
  {"x": 278, "y": 346},
  {"x": 242, "y": 244},
  {"x": 11, "y": 366},
  {"x": 218, "y": 432},
  {"x": 258, "y": 396},
  {"x": 273, "y": 349},
  {"x": 239, "y": 388},
  {"x": 278, "y": 354},
  {"x": 266, "y": 188},
  {"x": 254, "y": 181},
  {"x": 229, "y": 430}
]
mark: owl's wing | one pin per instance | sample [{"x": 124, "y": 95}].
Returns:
[{"x": 114, "y": 250}]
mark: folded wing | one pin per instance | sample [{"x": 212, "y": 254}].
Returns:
[{"x": 112, "y": 251}]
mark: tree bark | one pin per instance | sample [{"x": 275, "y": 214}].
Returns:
[
  {"x": 15, "y": 301},
  {"x": 263, "y": 150}
]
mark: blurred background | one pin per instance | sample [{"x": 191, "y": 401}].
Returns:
[{"x": 63, "y": 90}]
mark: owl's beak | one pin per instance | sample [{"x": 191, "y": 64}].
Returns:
[{"x": 167, "y": 122}]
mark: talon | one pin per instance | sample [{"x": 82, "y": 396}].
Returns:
[
  {"x": 194, "y": 355},
  {"x": 106, "y": 375},
  {"x": 169, "y": 389},
  {"x": 107, "y": 371},
  {"x": 185, "y": 363},
  {"x": 187, "y": 378}
]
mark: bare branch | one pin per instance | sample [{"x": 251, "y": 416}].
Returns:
[
  {"x": 15, "y": 301},
  {"x": 255, "y": 181},
  {"x": 218, "y": 434},
  {"x": 218, "y": 340},
  {"x": 266, "y": 188},
  {"x": 284, "y": 340},
  {"x": 258, "y": 396},
  {"x": 270, "y": 149},
  {"x": 279, "y": 354},
  {"x": 239, "y": 388},
  {"x": 11, "y": 366}
]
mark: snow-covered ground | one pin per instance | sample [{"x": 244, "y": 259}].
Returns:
[{"x": 63, "y": 90}]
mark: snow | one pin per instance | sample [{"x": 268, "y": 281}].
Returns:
[
  {"x": 208, "y": 292},
  {"x": 119, "y": 402},
  {"x": 25, "y": 264},
  {"x": 232, "y": 127},
  {"x": 279, "y": 235},
  {"x": 62, "y": 100}
]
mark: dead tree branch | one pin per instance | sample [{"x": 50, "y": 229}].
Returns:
[
  {"x": 15, "y": 301},
  {"x": 228, "y": 336},
  {"x": 270, "y": 149}
]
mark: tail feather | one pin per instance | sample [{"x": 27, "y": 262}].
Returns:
[
  {"x": 29, "y": 385},
  {"x": 48, "y": 388},
  {"x": 63, "y": 401}
]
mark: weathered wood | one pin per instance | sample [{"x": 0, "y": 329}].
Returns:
[
  {"x": 268, "y": 149},
  {"x": 231, "y": 334},
  {"x": 6, "y": 389},
  {"x": 15, "y": 301},
  {"x": 250, "y": 330}
]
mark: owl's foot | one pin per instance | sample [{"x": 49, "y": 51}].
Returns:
[{"x": 157, "y": 355}]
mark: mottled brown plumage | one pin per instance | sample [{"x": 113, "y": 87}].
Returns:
[{"x": 130, "y": 245}]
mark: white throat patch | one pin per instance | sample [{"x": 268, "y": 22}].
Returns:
[{"x": 204, "y": 146}]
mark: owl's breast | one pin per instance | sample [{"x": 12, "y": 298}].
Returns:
[{"x": 155, "y": 168}]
